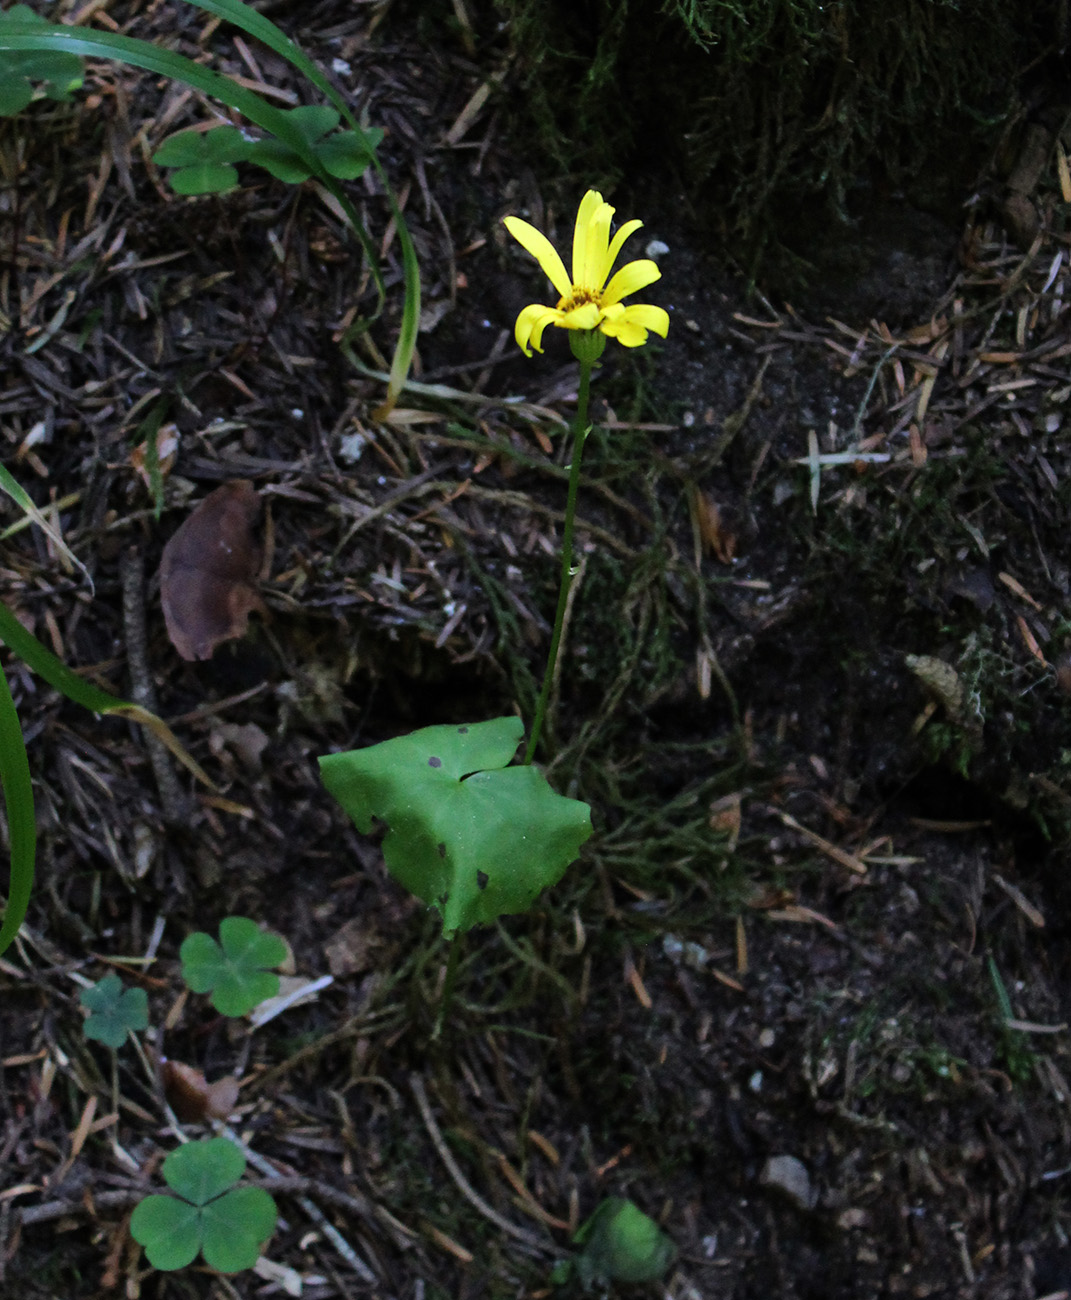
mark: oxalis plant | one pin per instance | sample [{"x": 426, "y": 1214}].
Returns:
[
  {"x": 324, "y": 143},
  {"x": 469, "y": 831},
  {"x": 204, "y": 1211}
]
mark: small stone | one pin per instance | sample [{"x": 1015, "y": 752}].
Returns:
[{"x": 789, "y": 1176}]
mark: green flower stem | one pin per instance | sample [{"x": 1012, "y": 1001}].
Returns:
[{"x": 581, "y": 429}]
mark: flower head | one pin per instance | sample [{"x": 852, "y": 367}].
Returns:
[{"x": 587, "y": 302}]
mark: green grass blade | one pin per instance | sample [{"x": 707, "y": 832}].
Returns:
[
  {"x": 57, "y": 674},
  {"x": 21, "y": 826},
  {"x": 264, "y": 30},
  {"x": 149, "y": 429},
  {"x": 10, "y": 484}
]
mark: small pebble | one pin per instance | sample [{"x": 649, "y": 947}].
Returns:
[{"x": 789, "y": 1176}]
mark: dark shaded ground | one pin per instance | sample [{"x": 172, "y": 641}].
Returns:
[{"x": 845, "y": 865}]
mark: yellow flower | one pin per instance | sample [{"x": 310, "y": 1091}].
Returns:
[{"x": 587, "y": 302}]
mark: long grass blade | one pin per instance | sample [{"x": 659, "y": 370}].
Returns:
[
  {"x": 57, "y": 674},
  {"x": 21, "y": 826},
  {"x": 10, "y": 484},
  {"x": 165, "y": 63}
]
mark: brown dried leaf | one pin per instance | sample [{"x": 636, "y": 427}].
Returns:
[
  {"x": 715, "y": 536},
  {"x": 167, "y": 441},
  {"x": 352, "y": 949},
  {"x": 209, "y": 571},
  {"x": 193, "y": 1098}
]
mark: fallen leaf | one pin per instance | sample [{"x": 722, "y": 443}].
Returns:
[
  {"x": 247, "y": 741},
  {"x": 209, "y": 571},
  {"x": 193, "y": 1098},
  {"x": 167, "y": 441},
  {"x": 715, "y": 536},
  {"x": 352, "y": 948}
]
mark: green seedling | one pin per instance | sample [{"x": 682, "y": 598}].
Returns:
[
  {"x": 207, "y": 1214},
  {"x": 619, "y": 1243},
  {"x": 236, "y": 970},
  {"x": 466, "y": 833},
  {"x": 114, "y": 1011},
  {"x": 204, "y": 160},
  {"x": 57, "y": 73},
  {"x": 342, "y": 154}
]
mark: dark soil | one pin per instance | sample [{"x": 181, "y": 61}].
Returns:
[{"x": 813, "y": 880}]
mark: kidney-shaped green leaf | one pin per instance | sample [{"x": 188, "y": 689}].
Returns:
[
  {"x": 235, "y": 1227},
  {"x": 467, "y": 834},
  {"x": 169, "y": 1229},
  {"x": 201, "y": 1171}
]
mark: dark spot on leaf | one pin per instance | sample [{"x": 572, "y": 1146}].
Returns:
[
  {"x": 462, "y": 731},
  {"x": 482, "y": 879},
  {"x": 442, "y": 849},
  {"x": 444, "y": 898},
  {"x": 435, "y": 762}
]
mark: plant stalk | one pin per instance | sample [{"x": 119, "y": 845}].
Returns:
[
  {"x": 453, "y": 953},
  {"x": 581, "y": 429}
]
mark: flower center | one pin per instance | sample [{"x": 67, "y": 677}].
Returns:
[{"x": 579, "y": 297}]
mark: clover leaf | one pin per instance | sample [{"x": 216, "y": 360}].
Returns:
[
  {"x": 204, "y": 159},
  {"x": 620, "y": 1244},
  {"x": 467, "y": 834},
  {"x": 344, "y": 154},
  {"x": 236, "y": 971},
  {"x": 227, "y": 1224},
  {"x": 114, "y": 1011},
  {"x": 58, "y": 72}
]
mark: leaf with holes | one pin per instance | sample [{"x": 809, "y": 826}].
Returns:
[
  {"x": 237, "y": 970},
  {"x": 57, "y": 72},
  {"x": 204, "y": 160},
  {"x": 227, "y": 1224},
  {"x": 466, "y": 833},
  {"x": 114, "y": 1011}
]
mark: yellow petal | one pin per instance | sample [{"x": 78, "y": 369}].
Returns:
[
  {"x": 629, "y": 228},
  {"x": 651, "y": 318},
  {"x": 531, "y": 323},
  {"x": 592, "y": 216},
  {"x": 630, "y": 279},
  {"x": 631, "y": 325},
  {"x": 536, "y": 243},
  {"x": 585, "y": 317}
]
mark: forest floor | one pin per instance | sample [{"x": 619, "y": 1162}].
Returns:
[{"x": 814, "y": 689}]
